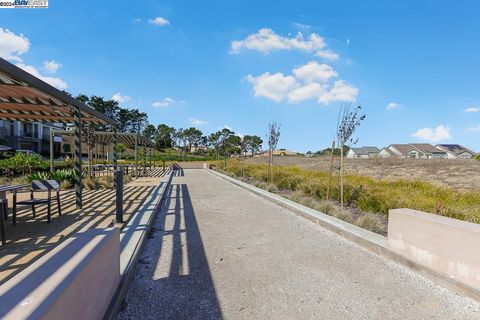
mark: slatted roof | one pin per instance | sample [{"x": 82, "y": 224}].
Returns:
[
  {"x": 24, "y": 97},
  {"x": 125, "y": 138},
  {"x": 103, "y": 137}
]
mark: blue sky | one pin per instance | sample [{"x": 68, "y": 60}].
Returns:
[{"x": 243, "y": 64}]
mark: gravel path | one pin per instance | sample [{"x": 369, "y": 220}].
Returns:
[{"x": 218, "y": 251}]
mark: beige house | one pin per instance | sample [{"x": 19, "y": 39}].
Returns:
[
  {"x": 456, "y": 151},
  {"x": 278, "y": 152},
  {"x": 363, "y": 152},
  {"x": 413, "y": 151}
]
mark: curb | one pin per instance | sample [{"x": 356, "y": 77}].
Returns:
[
  {"x": 131, "y": 250},
  {"x": 364, "y": 238}
]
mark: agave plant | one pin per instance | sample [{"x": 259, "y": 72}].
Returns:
[{"x": 59, "y": 175}]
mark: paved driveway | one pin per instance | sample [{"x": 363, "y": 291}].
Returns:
[{"x": 218, "y": 251}]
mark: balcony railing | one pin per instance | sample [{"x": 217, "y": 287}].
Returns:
[{"x": 28, "y": 134}]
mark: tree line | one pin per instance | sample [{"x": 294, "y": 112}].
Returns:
[{"x": 224, "y": 142}]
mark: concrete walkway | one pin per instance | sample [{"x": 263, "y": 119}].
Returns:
[{"x": 217, "y": 251}]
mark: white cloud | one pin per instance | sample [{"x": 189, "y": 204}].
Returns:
[
  {"x": 309, "y": 81},
  {"x": 393, "y": 106},
  {"x": 121, "y": 98},
  {"x": 136, "y": 20},
  {"x": 472, "y": 109},
  {"x": 309, "y": 91},
  {"x": 301, "y": 26},
  {"x": 313, "y": 71},
  {"x": 272, "y": 86},
  {"x": 12, "y": 46},
  {"x": 56, "y": 82},
  {"x": 167, "y": 102},
  {"x": 473, "y": 129},
  {"x": 341, "y": 91},
  {"x": 266, "y": 41},
  {"x": 159, "y": 21},
  {"x": 197, "y": 122},
  {"x": 327, "y": 55},
  {"x": 51, "y": 66},
  {"x": 437, "y": 134}
]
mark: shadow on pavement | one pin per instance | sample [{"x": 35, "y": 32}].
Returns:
[{"x": 173, "y": 279}]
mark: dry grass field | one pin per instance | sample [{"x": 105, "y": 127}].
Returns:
[{"x": 456, "y": 174}]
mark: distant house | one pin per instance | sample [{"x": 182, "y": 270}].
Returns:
[
  {"x": 413, "y": 150},
  {"x": 363, "y": 152},
  {"x": 278, "y": 152},
  {"x": 427, "y": 151},
  {"x": 385, "y": 153},
  {"x": 456, "y": 151}
]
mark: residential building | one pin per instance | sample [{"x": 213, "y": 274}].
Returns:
[
  {"x": 363, "y": 152},
  {"x": 413, "y": 151},
  {"x": 386, "y": 153},
  {"x": 456, "y": 151},
  {"x": 278, "y": 152},
  {"x": 427, "y": 151},
  {"x": 34, "y": 136}
]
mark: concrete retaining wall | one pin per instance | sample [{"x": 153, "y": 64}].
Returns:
[
  {"x": 76, "y": 280},
  {"x": 446, "y": 245}
]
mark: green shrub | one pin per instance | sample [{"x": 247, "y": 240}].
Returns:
[{"x": 21, "y": 164}]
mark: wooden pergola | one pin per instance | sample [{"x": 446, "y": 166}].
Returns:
[
  {"x": 24, "y": 97},
  {"x": 133, "y": 140}
]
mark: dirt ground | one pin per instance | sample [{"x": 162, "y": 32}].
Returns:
[{"x": 457, "y": 174}]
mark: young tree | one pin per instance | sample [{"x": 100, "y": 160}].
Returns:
[
  {"x": 273, "y": 136},
  {"x": 348, "y": 121}
]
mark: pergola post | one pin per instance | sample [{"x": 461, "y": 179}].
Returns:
[
  {"x": 136, "y": 151},
  {"x": 144, "y": 160},
  {"x": 77, "y": 119},
  {"x": 150, "y": 158},
  {"x": 115, "y": 148},
  {"x": 52, "y": 135}
]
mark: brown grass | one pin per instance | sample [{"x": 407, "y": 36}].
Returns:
[{"x": 456, "y": 174}]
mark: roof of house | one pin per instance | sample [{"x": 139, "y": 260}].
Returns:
[
  {"x": 372, "y": 149},
  {"x": 456, "y": 149},
  {"x": 387, "y": 151},
  {"x": 365, "y": 150},
  {"x": 426, "y": 148},
  {"x": 359, "y": 151},
  {"x": 403, "y": 148}
]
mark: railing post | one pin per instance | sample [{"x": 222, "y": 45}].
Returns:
[
  {"x": 118, "y": 178},
  {"x": 52, "y": 159}
]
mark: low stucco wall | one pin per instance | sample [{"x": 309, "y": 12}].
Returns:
[
  {"x": 76, "y": 280},
  {"x": 445, "y": 245}
]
